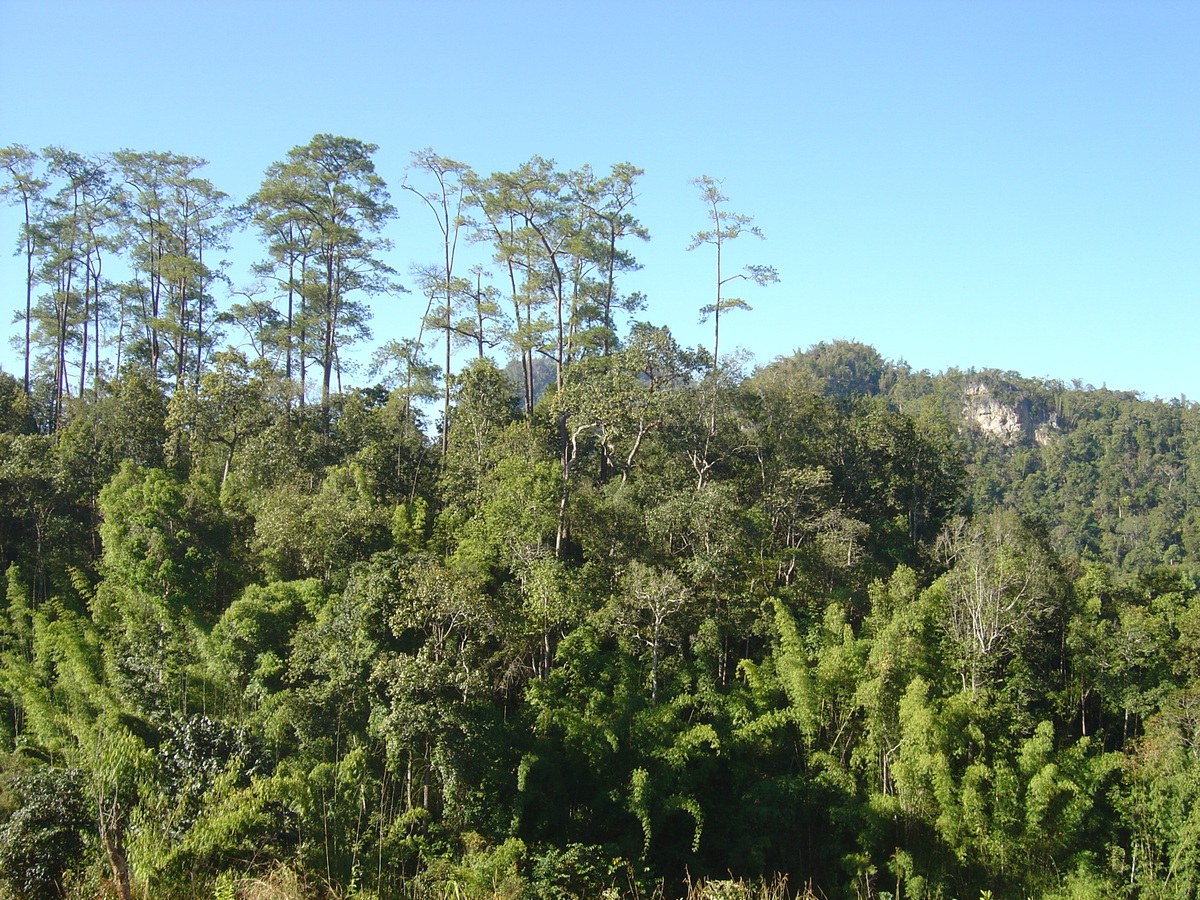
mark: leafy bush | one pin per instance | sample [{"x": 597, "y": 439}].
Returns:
[{"x": 44, "y": 838}]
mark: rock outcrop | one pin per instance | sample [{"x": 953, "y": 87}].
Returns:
[{"x": 1008, "y": 422}]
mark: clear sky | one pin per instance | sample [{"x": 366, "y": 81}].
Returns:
[{"x": 968, "y": 183}]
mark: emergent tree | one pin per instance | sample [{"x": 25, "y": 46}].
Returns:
[
  {"x": 328, "y": 191},
  {"x": 726, "y": 226}
]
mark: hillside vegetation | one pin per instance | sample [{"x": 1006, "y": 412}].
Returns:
[
  {"x": 815, "y": 621},
  {"x": 626, "y": 620}
]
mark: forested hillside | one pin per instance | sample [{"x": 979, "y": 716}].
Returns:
[{"x": 622, "y": 617}]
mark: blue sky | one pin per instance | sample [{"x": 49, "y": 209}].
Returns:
[{"x": 971, "y": 183}]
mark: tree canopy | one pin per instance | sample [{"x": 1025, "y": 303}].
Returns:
[{"x": 625, "y": 620}]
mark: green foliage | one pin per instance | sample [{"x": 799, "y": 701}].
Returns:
[
  {"x": 302, "y": 534},
  {"x": 841, "y": 369},
  {"x": 726, "y": 226},
  {"x": 249, "y": 643},
  {"x": 44, "y": 838},
  {"x": 482, "y": 873},
  {"x": 228, "y": 406},
  {"x": 1000, "y": 592},
  {"x": 891, "y": 633},
  {"x": 16, "y": 415},
  {"x": 1161, "y": 804},
  {"x": 44, "y": 522},
  {"x": 515, "y": 506},
  {"x": 127, "y": 424},
  {"x": 166, "y": 538},
  {"x": 319, "y": 211},
  {"x": 572, "y": 870}
]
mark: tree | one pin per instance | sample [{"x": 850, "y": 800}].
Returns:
[
  {"x": 25, "y": 187},
  {"x": 447, "y": 201},
  {"x": 173, "y": 217},
  {"x": 484, "y": 407},
  {"x": 322, "y": 207},
  {"x": 407, "y": 371},
  {"x": 609, "y": 200},
  {"x": 125, "y": 423},
  {"x": 650, "y": 600},
  {"x": 525, "y": 217},
  {"x": 1000, "y": 589},
  {"x": 1161, "y": 802},
  {"x": 483, "y": 322},
  {"x": 16, "y": 416},
  {"x": 166, "y": 539},
  {"x": 726, "y": 226},
  {"x": 842, "y": 369},
  {"x": 73, "y": 235},
  {"x": 228, "y": 405},
  {"x": 305, "y": 534},
  {"x": 287, "y": 332},
  {"x": 95, "y": 207},
  {"x": 37, "y": 509},
  {"x": 557, "y": 234}
]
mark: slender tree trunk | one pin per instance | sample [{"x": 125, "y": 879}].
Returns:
[
  {"x": 200, "y": 289},
  {"x": 28, "y": 289},
  {"x": 96, "y": 338},
  {"x": 717, "y": 314},
  {"x": 610, "y": 291},
  {"x": 291, "y": 299},
  {"x": 654, "y": 662},
  {"x": 62, "y": 312},
  {"x": 446, "y": 377},
  {"x": 86, "y": 321},
  {"x": 303, "y": 364}
]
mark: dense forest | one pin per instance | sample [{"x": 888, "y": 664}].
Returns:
[{"x": 573, "y": 610}]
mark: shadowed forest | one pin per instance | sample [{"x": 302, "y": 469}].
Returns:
[{"x": 557, "y": 607}]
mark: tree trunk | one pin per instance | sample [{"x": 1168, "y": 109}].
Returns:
[{"x": 114, "y": 849}]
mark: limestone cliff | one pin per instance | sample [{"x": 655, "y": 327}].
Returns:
[{"x": 1011, "y": 420}]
